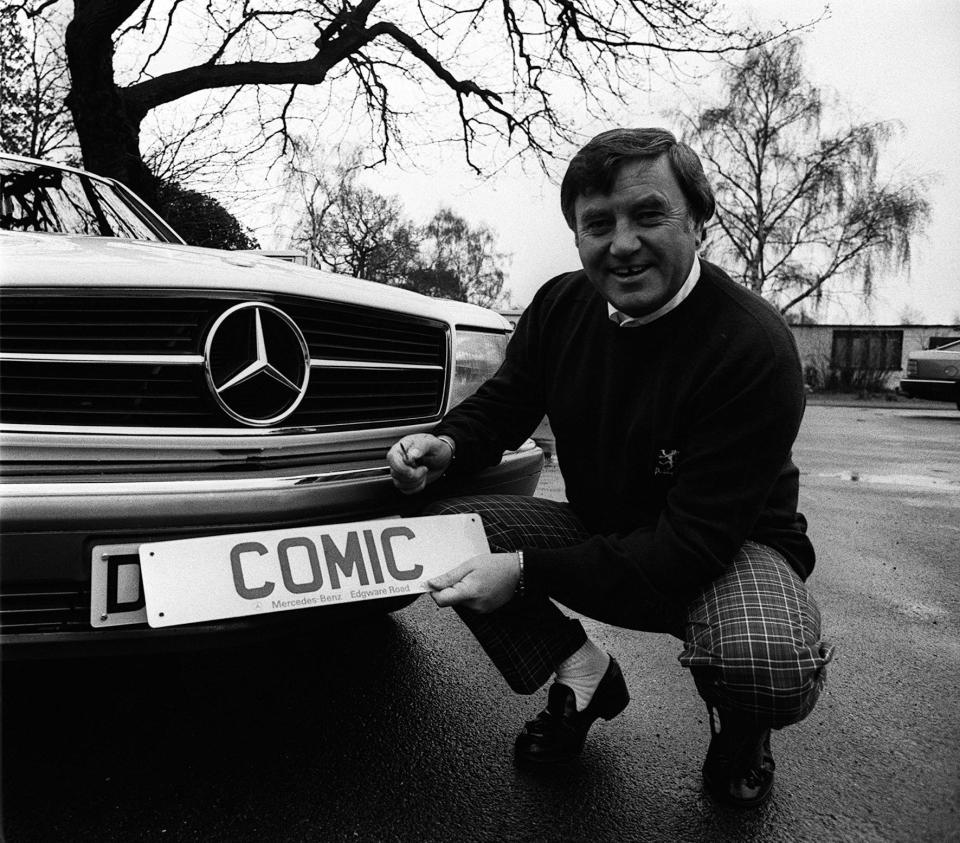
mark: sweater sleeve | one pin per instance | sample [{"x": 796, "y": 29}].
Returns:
[
  {"x": 741, "y": 421},
  {"x": 506, "y": 409}
]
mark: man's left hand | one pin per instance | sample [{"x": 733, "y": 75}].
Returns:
[{"x": 483, "y": 583}]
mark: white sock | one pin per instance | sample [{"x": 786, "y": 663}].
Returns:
[{"x": 582, "y": 672}]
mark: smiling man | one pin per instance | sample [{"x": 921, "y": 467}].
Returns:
[
  {"x": 675, "y": 396},
  {"x": 638, "y": 240}
]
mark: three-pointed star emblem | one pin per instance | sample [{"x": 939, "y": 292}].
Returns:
[
  {"x": 257, "y": 363},
  {"x": 260, "y": 363}
]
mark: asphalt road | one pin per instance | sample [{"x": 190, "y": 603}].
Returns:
[{"x": 399, "y": 730}]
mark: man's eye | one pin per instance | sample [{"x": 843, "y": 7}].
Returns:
[
  {"x": 596, "y": 226},
  {"x": 649, "y": 217}
]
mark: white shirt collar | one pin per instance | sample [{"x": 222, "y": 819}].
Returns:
[{"x": 625, "y": 321}]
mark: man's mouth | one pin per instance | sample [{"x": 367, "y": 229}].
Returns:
[{"x": 627, "y": 271}]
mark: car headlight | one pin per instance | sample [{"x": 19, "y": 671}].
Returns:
[{"x": 476, "y": 356}]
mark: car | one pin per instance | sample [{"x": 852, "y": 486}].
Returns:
[
  {"x": 934, "y": 374},
  {"x": 156, "y": 394}
]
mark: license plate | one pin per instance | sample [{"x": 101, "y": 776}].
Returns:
[
  {"x": 116, "y": 591},
  {"x": 216, "y": 577}
]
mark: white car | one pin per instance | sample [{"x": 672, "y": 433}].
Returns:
[
  {"x": 153, "y": 391},
  {"x": 934, "y": 374}
]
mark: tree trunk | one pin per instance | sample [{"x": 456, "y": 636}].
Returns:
[{"x": 107, "y": 127}]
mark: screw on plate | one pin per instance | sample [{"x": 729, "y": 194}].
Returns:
[{"x": 103, "y": 617}]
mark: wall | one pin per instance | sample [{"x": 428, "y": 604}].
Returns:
[{"x": 815, "y": 342}]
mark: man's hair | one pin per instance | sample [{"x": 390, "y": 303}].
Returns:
[{"x": 594, "y": 169}]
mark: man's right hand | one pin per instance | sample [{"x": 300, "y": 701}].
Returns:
[{"x": 417, "y": 460}]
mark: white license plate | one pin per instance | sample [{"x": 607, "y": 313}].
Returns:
[{"x": 204, "y": 579}]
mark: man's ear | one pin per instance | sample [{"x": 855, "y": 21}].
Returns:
[
  {"x": 698, "y": 232},
  {"x": 573, "y": 227}
]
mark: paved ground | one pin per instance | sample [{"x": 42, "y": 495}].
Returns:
[
  {"x": 398, "y": 730},
  {"x": 879, "y": 759}
]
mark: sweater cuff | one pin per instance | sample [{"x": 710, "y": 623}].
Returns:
[
  {"x": 462, "y": 462},
  {"x": 453, "y": 445},
  {"x": 536, "y": 566}
]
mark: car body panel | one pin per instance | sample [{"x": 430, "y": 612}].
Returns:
[{"x": 109, "y": 263}]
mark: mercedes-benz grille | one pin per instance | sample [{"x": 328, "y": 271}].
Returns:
[{"x": 214, "y": 361}]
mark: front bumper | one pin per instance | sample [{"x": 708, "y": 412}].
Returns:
[
  {"x": 50, "y": 527},
  {"x": 931, "y": 390}
]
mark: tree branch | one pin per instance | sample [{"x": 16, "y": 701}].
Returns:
[
  {"x": 38, "y": 9},
  {"x": 98, "y": 19}
]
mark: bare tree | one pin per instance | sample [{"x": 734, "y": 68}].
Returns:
[
  {"x": 34, "y": 118},
  {"x": 348, "y": 227},
  {"x": 498, "y": 68},
  {"x": 799, "y": 206},
  {"x": 458, "y": 261},
  {"x": 345, "y": 226}
]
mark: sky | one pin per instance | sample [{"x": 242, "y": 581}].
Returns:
[{"x": 884, "y": 60}]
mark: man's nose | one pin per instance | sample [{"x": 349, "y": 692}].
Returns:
[{"x": 626, "y": 239}]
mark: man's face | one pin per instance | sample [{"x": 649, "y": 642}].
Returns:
[{"x": 637, "y": 243}]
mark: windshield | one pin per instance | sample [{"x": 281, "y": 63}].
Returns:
[{"x": 35, "y": 197}]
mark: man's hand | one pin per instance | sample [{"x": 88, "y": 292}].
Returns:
[
  {"x": 483, "y": 583},
  {"x": 417, "y": 460}
]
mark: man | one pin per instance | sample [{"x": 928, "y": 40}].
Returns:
[{"x": 675, "y": 396}]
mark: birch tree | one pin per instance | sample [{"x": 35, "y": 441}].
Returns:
[{"x": 799, "y": 206}]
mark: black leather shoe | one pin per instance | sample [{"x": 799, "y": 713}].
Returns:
[
  {"x": 559, "y": 731},
  {"x": 738, "y": 770}
]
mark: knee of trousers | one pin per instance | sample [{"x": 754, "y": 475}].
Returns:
[
  {"x": 450, "y": 506},
  {"x": 772, "y": 682},
  {"x": 515, "y": 521},
  {"x": 753, "y": 643},
  {"x": 499, "y": 538}
]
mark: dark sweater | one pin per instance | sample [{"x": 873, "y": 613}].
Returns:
[{"x": 673, "y": 438}]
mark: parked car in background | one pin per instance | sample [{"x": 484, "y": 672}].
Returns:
[
  {"x": 934, "y": 374},
  {"x": 150, "y": 391}
]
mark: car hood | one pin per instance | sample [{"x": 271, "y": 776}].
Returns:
[{"x": 56, "y": 260}]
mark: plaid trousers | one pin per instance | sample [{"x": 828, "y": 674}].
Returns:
[{"x": 751, "y": 638}]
